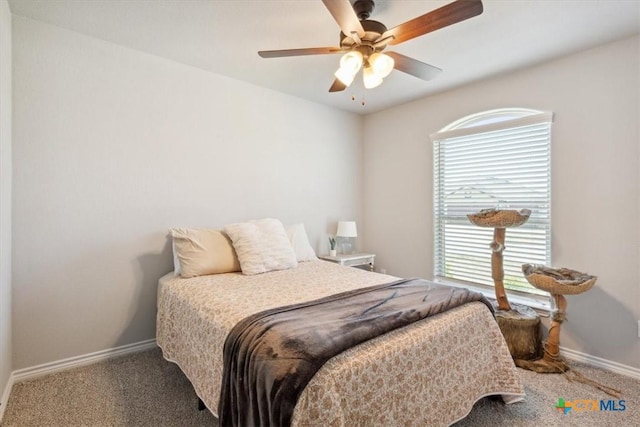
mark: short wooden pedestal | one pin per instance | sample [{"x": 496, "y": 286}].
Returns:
[
  {"x": 551, "y": 362},
  {"x": 520, "y": 327}
]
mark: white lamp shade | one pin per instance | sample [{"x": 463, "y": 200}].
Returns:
[
  {"x": 347, "y": 229},
  {"x": 370, "y": 78},
  {"x": 382, "y": 64},
  {"x": 352, "y": 61},
  {"x": 346, "y": 76},
  {"x": 350, "y": 64}
]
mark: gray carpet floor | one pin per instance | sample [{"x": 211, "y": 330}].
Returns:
[{"x": 143, "y": 389}]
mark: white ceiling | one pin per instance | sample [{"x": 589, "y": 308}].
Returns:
[{"x": 224, "y": 36}]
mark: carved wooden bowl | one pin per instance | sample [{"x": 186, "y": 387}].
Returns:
[
  {"x": 497, "y": 218},
  {"x": 561, "y": 281}
]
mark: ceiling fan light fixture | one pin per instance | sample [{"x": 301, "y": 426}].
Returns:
[
  {"x": 370, "y": 78},
  {"x": 345, "y": 76},
  {"x": 352, "y": 61},
  {"x": 350, "y": 64},
  {"x": 382, "y": 64},
  {"x": 362, "y": 39}
]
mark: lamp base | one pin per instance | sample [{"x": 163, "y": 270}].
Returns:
[{"x": 346, "y": 247}]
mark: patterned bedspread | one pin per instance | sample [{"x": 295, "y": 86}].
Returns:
[{"x": 428, "y": 373}]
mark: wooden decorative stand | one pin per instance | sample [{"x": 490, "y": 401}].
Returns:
[
  {"x": 520, "y": 325},
  {"x": 558, "y": 283}
]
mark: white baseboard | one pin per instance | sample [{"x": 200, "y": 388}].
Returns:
[
  {"x": 5, "y": 395},
  {"x": 85, "y": 359},
  {"x": 71, "y": 362},
  {"x": 599, "y": 362}
]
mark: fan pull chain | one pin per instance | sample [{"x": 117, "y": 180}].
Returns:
[{"x": 362, "y": 102}]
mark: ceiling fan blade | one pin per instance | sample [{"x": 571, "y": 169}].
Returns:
[
  {"x": 447, "y": 15},
  {"x": 343, "y": 13},
  {"x": 337, "y": 86},
  {"x": 413, "y": 66},
  {"x": 299, "y": 52}
]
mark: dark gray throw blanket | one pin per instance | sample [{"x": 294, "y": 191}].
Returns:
[{"x": 270, "y": 357}]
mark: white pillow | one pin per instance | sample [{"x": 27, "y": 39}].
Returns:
[
  {"x": 261, "y": 246},
  {"x": 300, "y": 243},
  {"x": 176, "y": 261}
]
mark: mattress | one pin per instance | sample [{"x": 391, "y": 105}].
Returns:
[{"x": 428, "y": 373}]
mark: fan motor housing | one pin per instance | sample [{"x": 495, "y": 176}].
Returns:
[
  {"x": 363, "y": 8},
  {"x": 372, "y": 31}
]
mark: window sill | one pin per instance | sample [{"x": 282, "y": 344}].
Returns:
[{"x": 540, "y": 303}]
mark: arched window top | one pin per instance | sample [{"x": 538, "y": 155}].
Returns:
[
  {"x": 491, "y": 120},
  {"x": 490, "y": 116}
]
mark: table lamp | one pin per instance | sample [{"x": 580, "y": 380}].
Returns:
[{"x": 347, "y": 231}]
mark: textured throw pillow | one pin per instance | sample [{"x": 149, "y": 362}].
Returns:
[
  {"x": 202, "y": 251},
  {"x": 300, "y": 243},
  {"x": 262, "y": 246}
]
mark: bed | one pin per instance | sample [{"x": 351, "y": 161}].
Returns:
[{"x": 428, "y": 373}]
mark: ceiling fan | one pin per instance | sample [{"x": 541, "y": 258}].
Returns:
[{"x": 362, "y": 41}]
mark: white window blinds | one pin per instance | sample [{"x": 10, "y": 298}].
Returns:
[{"x": 492, "y": 161}]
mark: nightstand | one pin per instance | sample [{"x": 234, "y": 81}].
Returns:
[{"x": 358, "y": 260}]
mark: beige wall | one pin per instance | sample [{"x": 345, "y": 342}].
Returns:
[
  {"x": 595, "y": 183},
  {"x": 113, "y": 147},
  {"x": 5, "y": 196}
]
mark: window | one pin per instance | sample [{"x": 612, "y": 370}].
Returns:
[{"x": 495, "y": 159}]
